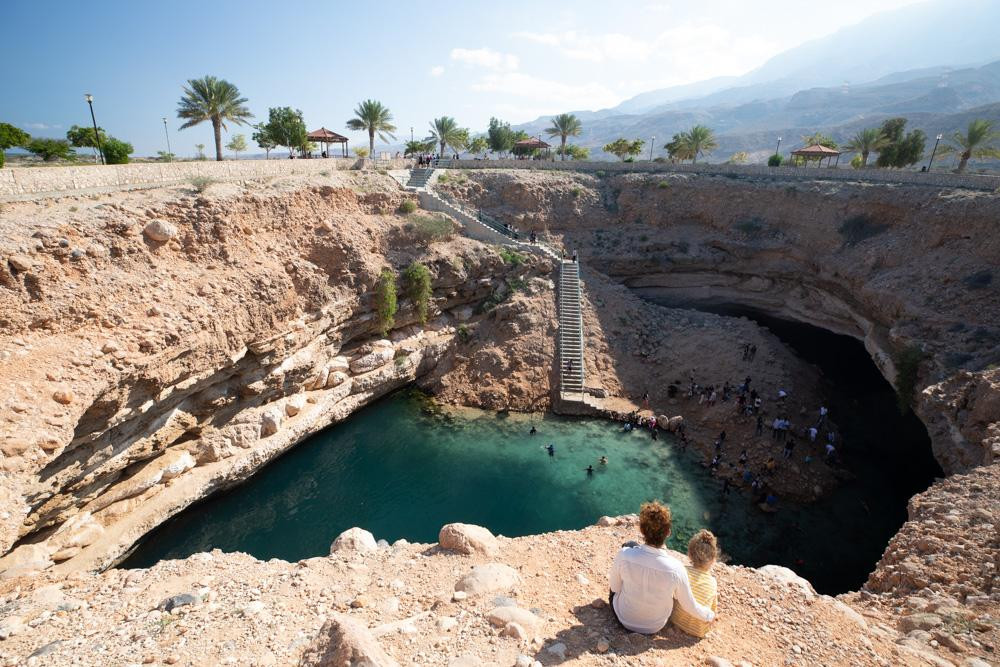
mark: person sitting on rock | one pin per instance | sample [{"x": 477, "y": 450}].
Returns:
[
  {"x": 703, "y": 550},
  {"x": 645, "y": 579}
]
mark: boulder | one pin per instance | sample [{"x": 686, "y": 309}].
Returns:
[
  {"x": 182, "y": 600},
  {"x": 159, "y": 231},
  {"x": 175, "y": 462},
  {"x": 662, "y": 421},
  {"x": 80, "y": 530},
  {"x": 63, "y": 396},
  {"x": 294, "y": 405},
  {"x": 919, "y": 622},
  {"x": 356, "y": 540},
  {"x": 785, "y": 576},
  {"x": 344, "y": 641},
  {"x": 377, "y": 358},
  {"x": 270, "y": 422},
  {"x": 336, "y": 378},
  {"x": 674, "y": 423},
  {"x": 489, "y": 578},
  {"x": 24, "y": 559},
  {"x": 21, "y": 262},
  {"x": 466, "y": 538},
  {"x": 515, "y": 631},
  {"x": 501, "y": 616},
  {"x": 338, "y": 364}
]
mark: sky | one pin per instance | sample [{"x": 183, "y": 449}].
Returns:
[{"x": 516, "y": 60}]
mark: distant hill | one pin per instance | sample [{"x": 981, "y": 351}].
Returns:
[{"x": 912, "y": 61}]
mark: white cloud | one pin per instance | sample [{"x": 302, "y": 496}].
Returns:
[
  {"x": 549, "y": 95},
  {"x": 437, "y": 70},
  {"x": 42, "y": 126},
  {"x": 594, "y": 48},
  {"x": 487, "y": 58}
]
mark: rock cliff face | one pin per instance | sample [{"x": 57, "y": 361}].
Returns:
[
  {"x": 158, "y": 352},
  {"x": 907, "y": 269}
]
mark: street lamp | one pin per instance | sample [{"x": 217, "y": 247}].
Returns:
[
  {"x": 937, "y": 140},
  {"x": 411, "y": 133},
  {"x": 167, "y": 134},
  {"x": 651, "y": 142},
  {"x": 778, "y": 147},
  {"x": 97, "y": 134}
]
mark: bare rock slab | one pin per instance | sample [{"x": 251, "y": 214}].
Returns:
[{"x": 489, "y": 578}]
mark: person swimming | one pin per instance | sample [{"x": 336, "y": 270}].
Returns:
[
  {"x": 590, "y": 470},
  {"x": 603, "y": 460},
  {"x": 551, "y": 449},
  {"x": 533, "y": 431}
]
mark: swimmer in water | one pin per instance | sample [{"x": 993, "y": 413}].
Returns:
[
  {"x": 590, "y": 470},
  {"x": 603, "y": 460},
  {"x": 551, "y": 449},
  {"x": 533, "y": 431}
]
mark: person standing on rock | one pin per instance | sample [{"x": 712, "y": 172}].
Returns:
[{"x": 645, "y": 580}]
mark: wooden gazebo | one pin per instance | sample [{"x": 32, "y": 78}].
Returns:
[
  {"x": 326, "y": 137},
  {"x": 526, "y": 146},
  {"x": 818, "y": 152}
]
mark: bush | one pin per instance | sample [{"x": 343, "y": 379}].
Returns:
[
  {"x": 116, "y": 151},
  {"x": 463, "y": 333},
  {"x": 859, "y": 228},
  {"x": 600, "y": 173},
  {"x": 201, "y": 183},
  {"x": 417, "y": 286},
  {"x": 51, "y": 149},
  {"x": 663, "y": 185},
  {"x": 407, "y": 206},
  {"x": 430, "y": 228},
  {"x": 576, "y": 192},
  {"x": 385, "y": 300},
  {"x": 775, "y": 160},
  {"x": 907, "y": 361},
  {"x": 511, "y": 257}
]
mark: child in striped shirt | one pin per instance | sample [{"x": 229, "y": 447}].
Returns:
[{"x": 703, "y": 550}]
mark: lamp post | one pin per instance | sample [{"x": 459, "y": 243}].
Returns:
[
  {"x": 411, "y": 133},
  {"x": 97, "y": 135},
  {"x": 778, "y": 147},
  {"x": 167, "y": 134},
  {"x": 937, "y": 140},
  {"x": 652, "y": 141}
]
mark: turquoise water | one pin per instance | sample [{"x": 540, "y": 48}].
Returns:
[{"x": 404, "y": 467}]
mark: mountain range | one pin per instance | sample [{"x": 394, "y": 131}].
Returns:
[{"x": 937, "y": 63}]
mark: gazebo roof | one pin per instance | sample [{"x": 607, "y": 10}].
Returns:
[
  {"x": 325, "y": 135},
  {"x": 815, "y": 150},
  {"x": 533, "y": 142}
]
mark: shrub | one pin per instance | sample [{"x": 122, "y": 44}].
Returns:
[
  {"x": 464, "y": 334},
  {"x": 51, "y": 149},
  {"x": 600, "y": 173},
  {"x": 511, "y": 257},
  {"x": 907, "y": 361},
  {"x": 775, "y": 160},
  {"x": 430, "y": 228},
  {"x": 385, "y": 300},
  {"x": 978, "y": 280},
  {"x": 663, "y": 185},
  {"x": 407, "y": 206},
  {"x": 516, "y": 284},
  {"x": 116, "y": 151},
  {"x": 201, "y": 183},
  {"x": 417, "y": 287},
  {"x": 577, "y": 191},
  {"x": 859, "y": 228},
  {"x": 443, "y": 178}
]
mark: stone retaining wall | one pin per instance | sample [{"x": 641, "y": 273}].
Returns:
[
  {"x": 938, "y": 179},
  {"x": 31, "y": 182}
]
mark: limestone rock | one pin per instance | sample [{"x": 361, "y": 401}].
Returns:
[
  {"x": 294, "y": 405},
  {"x": 21, "y": 262},
  {"x": 788, "y": 578},
  {"x": 336, "y": 378},
  {"x": 488, "y": 578},
  {"x": 80, "y": 530},
  {"x": 515, "y": 631},
  {"x": 344, "y": 641},
  {"x": 354, "y": 539},
  {"x": 377, "y": 358},
  {"x": 501, "y": 616},
  {"x": 270, "y": 422},
  {"x": 919, "y": 622},
  {"x": 606, "y": 521},
  {"x": 182, "y": 600},
  {"x": 717, "y": 661},
  {"x": 466, "y": 538},
  {"x": 558, "y": 650},
  {"x": 25, "y": 558},
  {"x": 176, "y": 462},
  {"x": 160, "y": 231},
  {"x": 10, "y": 626},
  {"x": 338, "y": 364},
  {"x": 851, "y": 614},
  {"x": 145, "y": 479},
  {"x": 63, "y": 395}
]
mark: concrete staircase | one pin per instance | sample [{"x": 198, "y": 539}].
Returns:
[
  {"x": 419, "y": 177},
  {"x": 570, "y": 343}
]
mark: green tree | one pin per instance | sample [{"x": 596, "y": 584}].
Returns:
[
  {"x": 573, "y": 151},
  {"x": 385, "y": 300},
  {"x": 857, "y": 162},
  {"x": 10, "y": 137},
  {"x": 900, "y": 150},
  {"x": 165, "y": 156},
  {"x": 286, "y": 127},
  {"x": 85, "y": 137},
  {"x": 417, "y": 146},
  {"x": 116, "y": 151},
  {"x": 865, "y": 142},
  {"x": 699, "y": 140},
  {"x": 775, "y": 160},
  {"x": 237, "y": 144},
  {"x": 262, "y": 135},
  {"x": 678, "y": 147},
  {"x": 478, "y": 145},
  {"x": 819, "y": 139},
  {"x": 501, "y": 138},
  {"x": 563, "y": 126},
  {"x": 361, "y": 152},
  {"x": 446, "y": 132},
  {"x": 417, "y": 288},
  {"x": 200, "y": 151},
  {"x": 51, "y": 149},
  {"x": 214, "y": 100},
  {"x": 980, "y": 141},
  {"x": 374, "y": 118},
  {"x": 624, "y": 149},
  {"x": 741, "y": 157}
]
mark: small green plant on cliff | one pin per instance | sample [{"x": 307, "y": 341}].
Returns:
[
  {"x": 201, "y": 183},
  {"x": 407, "y": 206},
  {"x": 907, "y": 361},
  {"x": 417, "y": 287},
  {"x": 577, "y": 191},
  {"x": 860, "y": 228},
  {"x": 385, "y": 300},
  {"x": 663, "y": 185},
  {"x": 430, "y": 228},
  {"x": 511, "y": 257},
  {"x": 464, "y": 334}
]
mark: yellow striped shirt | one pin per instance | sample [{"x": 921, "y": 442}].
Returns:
[{"x": 706, "y": 592}]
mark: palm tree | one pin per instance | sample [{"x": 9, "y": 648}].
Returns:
[
  {"x": 978, "y": 142},
  {"x": 867, "y": 141},
  {"x": 819, "y": 139},
  {"x": 446, "y": 132},
  {"x": 216, "y": 100},
  {"x": 371, "y": 116},
  {"x": 698, "y": 141},
  {"x": 564, "y": 125}
]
